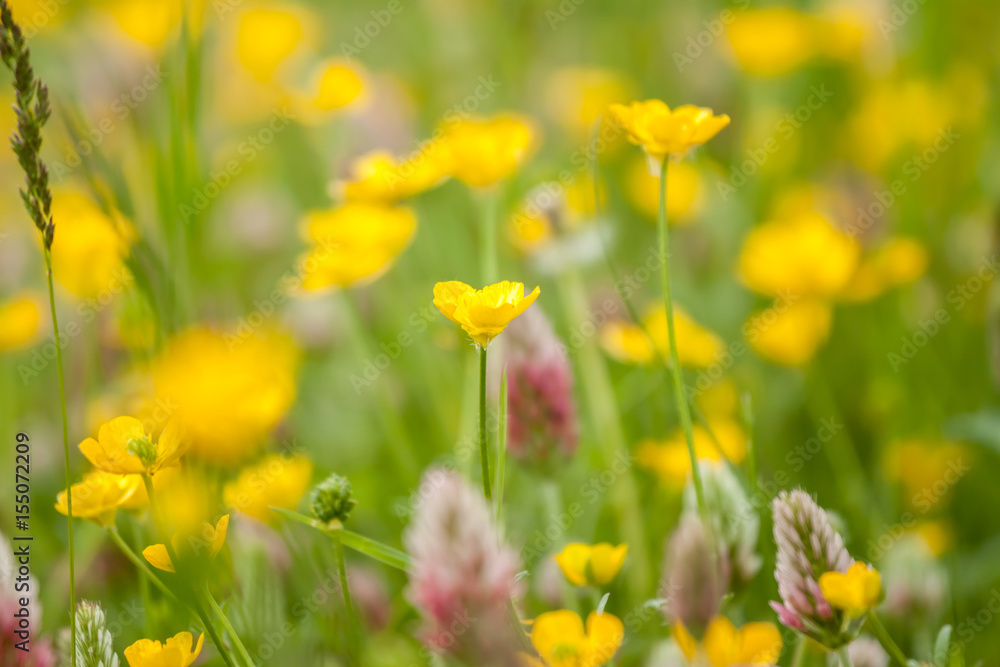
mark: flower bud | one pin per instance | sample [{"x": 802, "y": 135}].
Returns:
[{"x": 332, "y": 499}]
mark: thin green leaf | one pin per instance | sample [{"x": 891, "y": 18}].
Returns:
[
  {"x": 941, "y": 647},
  {"x": 365, "y": 545}
]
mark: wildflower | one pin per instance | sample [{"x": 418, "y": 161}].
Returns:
[
  {"x": 919, "y": 465},
  {"x": 485, "y": 313},
  {"x": 480, "y": 152},
  {"x": 379, "y": 177},
  {"x": 896, "y": 262},
  {"x": 793, "y": 334},
  {"x": 461, "y": 571},
  {"x": 808, "y": 548},
  {"x": 88, "y": 253},
  {"x": 694, "y": 578},
  {"x": 772, "y": 41},
  {"x": 697, "y": 346},
  {"x": 20, "y": 316},
  {"x": 356, "y": 243},
  {"x": 275, "y": 481},
  {"x": 591, "y": 565},
  {"x": 333, "y": 500},
  {"x": 685, "y": 191},
  {"x": 562, "y": 640},
  {"x": 94, "y": 646},
  {"x": 855, "y": 591},
  {"x": 212, "y": 538},
  {"x": 670, "y": 461},
  {"x": 576, "y": 96},
  {"x": 723, "y": 645},
  {"x": 228, "y": 390},
  {"x": 660, "y": 131},
  {"x": 123, "y": 447},
  {"x": 339, "y": 83},
  {"x": 177, "y": 651},
  {"x": 541, "y": 412},
  {"x": 98, "y": 497},
  {"x": 267, "y": 37},
  {"x": 149, "y": 22}
]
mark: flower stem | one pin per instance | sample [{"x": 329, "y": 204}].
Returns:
[
  {"x": 214, "y": 634},
  {"x": 800, "y": 651},
  {"x": 224, "y": 620},
  {"x": 354, "y": 631},
  {"x": 885, "y": 640},
  {"x": 139, "y": 563},
  {"x": 488, "y": 203},
  {"x": 69, "y": 477},
  {"x": 845, "y": 657},
  {"x": 675, "y": 366},
  {"x": 483, "y": 444}
]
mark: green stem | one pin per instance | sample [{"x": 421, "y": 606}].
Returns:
[
  {"x": 800, "y": 651},
  {"x": 885, "y": 640},
  {"x": 749, "y": 421},
  {"x": 483, "y": 444},
  {"x": 489, "y": 203},
  {"x": 227, "y": 626},
  {"x": 139, "y": 563},
  {"x": 69, "y": 476},
  {"x": 845, "y": 657},
  {"x": 354, "y": 632},
  {"x": 213, "y": 633},
  {"x": 675, "y": 366}
]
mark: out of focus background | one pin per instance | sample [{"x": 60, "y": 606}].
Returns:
[{"x": 833, "y": 253}]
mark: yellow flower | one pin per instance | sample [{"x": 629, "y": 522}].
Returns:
[
  {"x": 275, "y": 481},
  {"x": 594, "y": 565},
  {"x": 726, "y": 646},
  {"x": 789, "y": 334},
  {"x": 896, "y": 262},
  {"x": 660, "y": 131},
  {"x": 266, "y": 38},
  {"x": 685, "y": 192},
  {"x": 212, "y": 538},
  {"x": 175, "y": 652},
  {"x": 479, "y": 152},
  {"x": 228, "y": 391},
  {"x": 150, "y": 22},
  {"x": 123, "y": 447},
  {"x": 576, "y": 96},
  {"x": 668, "y": 459},
  {"x": 921, "y": 465},
  {"x": 355, "y": 243},
  {"x": 20, "y": 316},
  {"x": 338, "y": 84},
  {"x": 804, "y": 255},
  {"x": 98, "y": 497},
  {"x": 379, "y": 177},
  {"x": 697, "y": 347},
  {"x": 485, "y": 313},
  {"x": 562, "y": 641},
  {"x": 89, "y": 249},
  {"x": 855, "y": 591},
  {"x": 772, "y": 41}
]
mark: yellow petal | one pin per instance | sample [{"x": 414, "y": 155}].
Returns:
[
  {"x": 606, "y": 560},
  {"x": 604, "y": 637},
  {"x": 558, "y": 633},
  {"x": 685, "y": 642},
  {"x": 158, "y": 557},
  {"x": 572, "y": 560},
  {"x": 447, "y": 295},
  {"x": 760, "y": 644},
  {"x": 721, "y": 642}
]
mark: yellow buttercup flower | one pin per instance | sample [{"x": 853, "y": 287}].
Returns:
[
  {"x": 123, "y": 447},
  {"x": 275, "y": 481},
  {"x": 594, "y": 565},
  {"x": 697, "y": 347},
  {"x": 480, "y": 152},
  {"x": 662, "y": 131},
  {"x": 19, "y": 319},
  {"x": 229, "y": 390},
  {"x": 150, "y": 22},
  {"x": 485, "y": 313},
  {"x": 338, "y": 84},
  {"x": 89, "y": 248},
  {"x": 561, "y": 639},
  {"x": 685, "y": 191},
  {"x": 896, "y": 262},
  {"x": 772, "y": 41},
  {"x": 379, "y": 177},
  {"x": 178, "y": 651},
  {"x": 790, "y": 334},
  {"x": 189, "y": 545},
  {"x": 855, "y": 591},
  {"x": 355, "y": 243},
  {"x": 669, "y": 460},
  {"x": 98, "y": 497},
  {"x": 726, "y": 646},
  {"x": 266, "y": 38},
  {"x": 804, "y": 255}
]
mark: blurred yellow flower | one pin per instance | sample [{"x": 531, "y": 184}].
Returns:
[
  {"x": 576, "y": 96},
  {"x": 855, "y": 591},
  {"x": 338, "y": 84},
  {"x": 266, "y": 38},
  {"x": 190, "y": 545},
  {"x": 19, "y": 318},
  {"x": 355, "y": 243},
  {"x": 89, "y": 249},
  {"x": 685, "y": 191},
  {"x": 98, "y": 497},
  {"x": 726, "y": 646},
  {"x": 773, "y": 40},
  {"x": 123, "y": 447},
  {"x": 178, "y": 651},
  {"x": 379, "y": 177},
  {"x": 228, "y": 391},
  {"x": 591, "y": 565},
  {"x": 562, "y": 640},
  {"x": 485, "y": 313},
  {"x": 804, "y": 256},
  {"x": 926, "y": 469},
  {"x": 668, "y": 459},
  {"x": 938, "y": 535},
  {"x": 482, "y": 151},
  {"x": 898, "y": 261},
  {"x": 697, "y": 347},
  {"x": 791, "y": 333},
  {"x": 662, "y": 131},
  {"x": 275, "y": 481},
  {"x": 150, "y": 22}
]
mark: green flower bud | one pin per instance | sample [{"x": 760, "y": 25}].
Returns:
[
  {"x": 332, "y": 499},
  {"x": 144, "y": 449}
]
